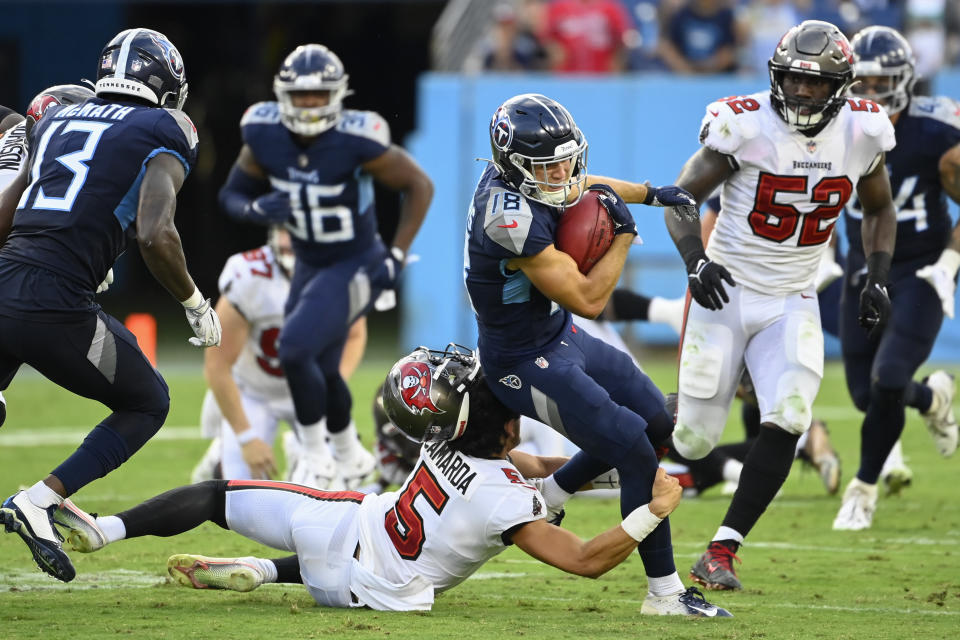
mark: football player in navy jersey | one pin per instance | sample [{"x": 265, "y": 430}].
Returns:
[
  {"x": 99, "y": 174},
  {"x": 523, "y": 290},
  {"x": 924, "y": 168},
  {"x": 309, "y": 164}
]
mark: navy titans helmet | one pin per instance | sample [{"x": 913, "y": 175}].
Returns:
[
  {"x": 812, "y": 48},
  {"x": 529, "y": 135},
  {"x": 144, "y": 64},
  {"x": 311, "y": 67},
  {"x": 883, "y": 54}
]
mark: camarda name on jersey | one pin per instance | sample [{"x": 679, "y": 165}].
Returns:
[{"x": 451, "y": 464}]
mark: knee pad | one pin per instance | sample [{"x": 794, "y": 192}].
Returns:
[
  {"x": 689, "y": 444},
  {"x": 701, "y": 360},
  {"x": 793, "y": 413}
]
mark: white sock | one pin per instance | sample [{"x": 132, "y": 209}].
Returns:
[
  {"x": 801, "y": 443},
  {"x": 667, "y": 311},
  {"x": 553, "y": 493},
  {"x": 43, "y": 496},
  {"x": 345, "y": 441},
  {"x": 726, "y": 533},
  {"x": 112, "y": 527},
  {"x": 314, "y": 436},
  {"x": 665, "y": 586},
  {"x": 731, "y": 470},
  {"x": 894, "y": 459},
  {"x": 266, "y": 567}
]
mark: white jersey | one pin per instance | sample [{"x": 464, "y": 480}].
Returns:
[
  {"x": 255, "y": 284},
  {"x": 13, "y": 153},
  {"x": 446, "y": 521},
  {"x": 779, "y": 207}
]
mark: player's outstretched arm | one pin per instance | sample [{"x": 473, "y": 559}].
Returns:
[
  {"x": 161, "y": 249},
  {"x": 396, "y": 169},
  {"x": 592, "y": 558},
  {"x": 942, "y": 274},
  {"x": 879, "y": 233},
  {"x": 218, "y": 371},
  {"x": 531, "y": 466}
]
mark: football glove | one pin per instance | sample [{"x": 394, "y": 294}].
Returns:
[
  {"x": 108, "y": 280},
  {"x": 270, "y": 208},
  {"x": 617, "y": 208},
  {"x": 941, "y": 275},
  {"x": 679, "y": 200},
  {"x": 393, "y": 264},
  {"x": 874, "y": 308},
  {"x": 706, "y": 283},
  {"x": 205, "y": 324}
]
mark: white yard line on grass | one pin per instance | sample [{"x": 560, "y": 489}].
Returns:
[{"x": 75, "y": 435}]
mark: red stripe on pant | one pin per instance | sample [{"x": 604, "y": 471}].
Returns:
[{"x": 319, "y": 494}]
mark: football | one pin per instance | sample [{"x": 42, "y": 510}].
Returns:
[{"x": 585, "y": 231}]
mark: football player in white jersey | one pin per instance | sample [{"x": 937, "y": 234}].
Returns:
[
  {"x": 788, "y": 160},
  {"x": 464, "y": 502}
]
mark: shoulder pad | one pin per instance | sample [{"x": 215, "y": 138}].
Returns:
[
  {"x": 873, "y": 120},
  {"x": 940, "y": 108},
  {"x": 728, "y": 122},
  {"x": 367, "y": 124},
  {"x": 507, "y": 219},
  {"x": 261, "y": 113},
  {"x": 186, "y": 126}
]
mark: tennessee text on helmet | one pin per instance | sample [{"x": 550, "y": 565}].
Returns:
[
  {"x": 812, "y": 48},
  {"x": 539, "y": 150},
  {"x": 886, "y": 58},
  {"x": 310, "y": 67},
  {"x": 427, "y": 393},
  {"x": 144, "y": 64}
]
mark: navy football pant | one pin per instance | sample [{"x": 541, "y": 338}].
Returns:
[
  {"x": 880, "y": 373},
  {"x": 596, "y": 396},
  {"x": 323, "y": 303},
  {"x": 98, "y": 358}
]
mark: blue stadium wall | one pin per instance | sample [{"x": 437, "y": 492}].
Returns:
[{"x": 639, "y": 127}]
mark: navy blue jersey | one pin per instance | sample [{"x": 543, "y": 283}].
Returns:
[
  {"x": 331, "y": 196},
  {"x": 86, "y": 164},
  {"x": 925, "y": 130},
  {"x": 514, "y": 319}
]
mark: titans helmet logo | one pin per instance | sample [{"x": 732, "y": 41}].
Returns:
[
  {"x": 501, "y": 129},
  {"x": 174, "y": 61},
  {"x": 415, "y": 386}
]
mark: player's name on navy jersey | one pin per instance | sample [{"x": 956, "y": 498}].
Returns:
[
  {"x": 110, "y": 111},
  {"x": 451, "y": 464},
  {"x": 12, "y": 149}
]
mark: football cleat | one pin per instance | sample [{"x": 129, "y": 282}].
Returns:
[
  {"x": 819, "y": 454},
  {"x": 84, "y": 534},
  {"x": 714, "y": 570},
  {"x": 856, "y": 511},
  {"x": 35, "y": 527},
  {"x": 201, "y": 572},
  {"x": 357, "y": 469},
  {"x": 206, "y": 468},
  {"x": 3, "y": 410},
  {"x": 941, "y": 423},
  {"x": 685, "y": 603},
  {"x": 896, "y": 480}
]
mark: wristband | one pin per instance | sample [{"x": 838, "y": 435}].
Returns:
[
  {"x": 398, "y": 254},
  {"x": 878, "y": 267},
  {"x": 246, "y": 436},
  {"x": 650, "y": 195},
  {"x": 950, "y": 260},
  {"x": 640, "y": 523},
  {"x": 195, "y": 299},
  {"x": 691, "y": 251}
]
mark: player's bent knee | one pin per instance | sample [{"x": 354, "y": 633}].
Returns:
[
  {"x": 690, "y": 444},
  {"x": 793, "y": 413}
]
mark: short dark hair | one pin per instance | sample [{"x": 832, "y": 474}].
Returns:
[{"x": 484, "y": 436}]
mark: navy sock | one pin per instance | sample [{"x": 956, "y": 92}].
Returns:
[
  {"x": 288, "y": 570},
  {"x": 102, "y": 451},
  {"x": 882, "y": 426},
  {"x": 578, "y": 471},
  {"x": 764, "y": 471},
  {"x": 178, "y": 510},
  {"x": 919, "y": 396}
]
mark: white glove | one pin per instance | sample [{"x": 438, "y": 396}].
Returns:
[
  {"x": 941, "y": 276},
  {"x": 386, "y": 300},
  {"x": 205, "y": 324},
  {"x": 107, "y": 281}
]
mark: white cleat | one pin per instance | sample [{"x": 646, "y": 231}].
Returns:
[
  {"x": 690, "y": 603},
  {"x": 941, "y": 423},
  {"x": 207, "y": 467},
  {"x": 201, "y": 572},
  {"x": 84, "y": 535},
  {"x": 357, "y": 469},
  {"x": 856, "y": 511},
  {"x": 318, "y": 472}
]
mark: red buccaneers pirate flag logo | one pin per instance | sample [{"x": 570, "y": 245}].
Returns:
[{"x": 415, "y": 386}]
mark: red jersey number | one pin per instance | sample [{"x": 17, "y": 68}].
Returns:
[
  {"x": 778, "y": 222},
  {"x": 264, "y": 269},
  {"x": 404, "y": 523},
  {"x": 269, "y": 361},
  {"x": 739, "y": 104}
]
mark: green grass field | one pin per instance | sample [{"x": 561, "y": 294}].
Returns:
[{"x": 901, "y": 579}]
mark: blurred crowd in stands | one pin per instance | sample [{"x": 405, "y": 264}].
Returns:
[{"x": 695, "y": 36}]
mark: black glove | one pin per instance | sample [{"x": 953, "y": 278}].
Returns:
[
  {"x": 683, "y": 204},
  {"x": 874, "y": 301},
  {"x": 617, "y": 208},
  {"x": 271, "y": 208},
  {"x": 705, "y": 277}
]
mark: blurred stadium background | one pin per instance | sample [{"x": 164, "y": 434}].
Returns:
[{"x": 436, "y": 70}]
